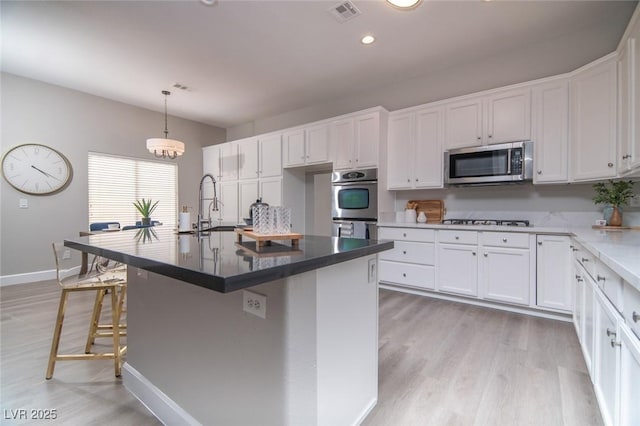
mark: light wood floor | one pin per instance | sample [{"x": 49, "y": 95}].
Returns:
[{"x": 441, "y": 363}]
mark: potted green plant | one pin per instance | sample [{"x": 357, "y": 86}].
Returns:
[
  {"x": 145, "y": 208},
  {"x": 615, "y": 194}
]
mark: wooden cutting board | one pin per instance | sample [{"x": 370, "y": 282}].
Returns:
[{"x": 433, "y": 209}]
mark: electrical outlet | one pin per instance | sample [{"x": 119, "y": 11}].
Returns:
[
  {"x": 635, "y": 201},
  {"x": 24, "y": 203},
  {"x": 372, "y": 270},
  {"x": 254, "y": 303},
  {"x": 66, "y": 254}
]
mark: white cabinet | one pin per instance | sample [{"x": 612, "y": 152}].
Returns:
[
  {"x": 629, "y": 102},
  {"x": 270, "y": 156},
  {"x": 505, "y": 266},
  {"x": 550, "y": 131},
  {"x": 211, "y": 161},
  {"x": 356, "y": 141},
  {"x": 553, "y": 265},
  {"x": 247, "y": 158},
  {"x": 594, "y": 121},
  {"x": 411, "y": 261},
  {"x": 270, "y": 190},
  {"x": 247, "y": 195},
  {"x": 229, "y": 161},
  {"x": 457, "y": 258},
  {"x": 414, "y": 151},
  {"x": 605, "y": 373},
  {"x": 629, "y": 378},
  {"x": 496, "y": 118},
  {"x": 304, "y": 146},
  {"x": 228, "y": 194}
]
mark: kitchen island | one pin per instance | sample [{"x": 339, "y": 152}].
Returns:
[{"x": 195, "y": 356}]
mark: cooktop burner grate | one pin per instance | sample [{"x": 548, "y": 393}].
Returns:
[{"x": 499, "y": 222}]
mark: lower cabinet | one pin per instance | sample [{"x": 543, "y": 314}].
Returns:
[
  {"x": 629, "y": 378},
  {"x": 553, "y": 272},
  {"x": 411, "y": 262},
  {"x": 458, "y": 269},
  {"x": 605, "y": 377}
]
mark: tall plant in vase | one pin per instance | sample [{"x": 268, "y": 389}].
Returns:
[
  {"x": 615, "y": 194},
  {"x": 145, "y": 208}
]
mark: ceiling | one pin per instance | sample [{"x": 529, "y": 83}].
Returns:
[{"x": 245, "y": 60}]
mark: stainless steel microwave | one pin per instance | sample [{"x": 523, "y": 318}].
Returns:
[{"x": 490, "y": 164}]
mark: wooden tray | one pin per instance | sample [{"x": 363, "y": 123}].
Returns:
[
  {"x": 265, "y": 239},
  {"x": 434, "y": 209},
  {"x": 615, "y": 228}
]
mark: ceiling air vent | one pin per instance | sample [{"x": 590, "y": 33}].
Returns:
[{"x": 344, "y": 11}]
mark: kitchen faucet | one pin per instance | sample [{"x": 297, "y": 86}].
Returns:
[{"x": 213, "y": 205}]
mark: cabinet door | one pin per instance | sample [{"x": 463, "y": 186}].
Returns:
[
  {"x": 342, "y": 139},
  {"x": 626, "y": 125},
  {"x": 634, "y": 137},
  {"x": 317, "y": 144},
  {"x": 229, "y": 202},
  {"x": 229, "y": 161},
  {"x": 270, "y": 156},
  {"x": 247, "y": 195},
  {"x": 593, "y": 122},
  {"x": 551, "y": 132},
  {"x": 504, "y": 275},
  {"x": 248, "y": 159},
  {"x": 578, "y": 302},
  {"x": 400, "y": 152},
  {"x": 606, "y": 357},
  {"x": 367, "y": 140},
  {"x": 428, "y": 155},
  {"x": 211, "y": 161},
  {"x": 464, "y": 124},
  {"x": 553, "y": 263},
  {"x": 294, "y": 148},
  {"x": 457, "y": 269},
  {"x": 629, "y": 378},
  {"x": 271, "y": 191},
  {"x": 509, "y": 116},
  {"x": 588, "y": 323}
]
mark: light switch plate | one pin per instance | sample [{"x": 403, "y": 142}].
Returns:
[{"x": 24, "y": 203}]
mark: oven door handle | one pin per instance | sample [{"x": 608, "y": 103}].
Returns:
[
  {"x": 360, "y": 182},
  {"x": 509, "y": 162},
  {"x": 350, "y": 221}
]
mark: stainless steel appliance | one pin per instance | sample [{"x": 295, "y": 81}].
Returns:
[
  {"x": 499, "y": 222},
  {"x": 354, "y": 203},
  {"x": 490, "y": 165}
]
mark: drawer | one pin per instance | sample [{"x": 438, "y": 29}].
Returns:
[
  {"x": 407, "y": 274},
  {"x": 407, "y": 234},
  {"x": 610, "y": 283},
  {"x": 631, "y": 309},
  {"x": 586, "y": 259},
  {"x": 458, "y": 237},
  {"x": 409, "y": 251},
  {"x": 505, "y": 239}
]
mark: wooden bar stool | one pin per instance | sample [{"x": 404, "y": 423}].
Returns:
[{"x": 113, "y": 281}]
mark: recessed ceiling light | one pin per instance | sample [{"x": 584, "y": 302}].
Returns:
[
  {"x": 368, "y": 39},
  {"x": 404, "y": 4}
]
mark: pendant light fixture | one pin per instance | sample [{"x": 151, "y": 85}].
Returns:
[
  {"x": 165, "y": 147},
  {"x": 405, "y": 4}
]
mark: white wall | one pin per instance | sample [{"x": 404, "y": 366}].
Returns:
[{"x": 75, "y": 123}]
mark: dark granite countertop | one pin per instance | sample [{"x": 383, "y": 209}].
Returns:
[{"x": 216, "y": 261}]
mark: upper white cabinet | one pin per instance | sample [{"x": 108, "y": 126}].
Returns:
[
  {"x": 629, "y": 102},
  {"x": 309, "y": 145},
  {"x": 229, "y": 161},
  {"x": 248, "y": 158},
  {"x": 496, "y": 118},
  {"x": 356, "y": 141},
  {"x": 270, "y": 156},
  {"x": 593, "y": 121},
  {"x": 211, "y": 161},
  {"x": 550, "y": 116},
  {"x": 414, "y": 150}
]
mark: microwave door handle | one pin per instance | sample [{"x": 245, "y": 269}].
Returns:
[{"x": 508, "y": 162}]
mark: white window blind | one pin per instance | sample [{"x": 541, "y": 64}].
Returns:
[{"x": 116, "y": 182}]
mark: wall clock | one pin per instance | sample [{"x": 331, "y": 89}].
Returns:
[{"x": 36, "y": 169}]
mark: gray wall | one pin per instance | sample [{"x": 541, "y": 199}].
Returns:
[{"x": 75, "y": 123}]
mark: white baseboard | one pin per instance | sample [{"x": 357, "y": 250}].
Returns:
[
  {"x": 28, "y": 277},
  {"x": 163, "y": 407},
  {"x": 366, "y": 411},
  {"x": 520, "y": 310}
]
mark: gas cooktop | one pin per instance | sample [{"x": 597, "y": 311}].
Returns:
[{"x": 499, "y": 222}]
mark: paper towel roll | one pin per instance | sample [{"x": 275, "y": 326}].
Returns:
[{"x": 184, "y": 222}]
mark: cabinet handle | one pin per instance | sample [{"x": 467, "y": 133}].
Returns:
[
  {"x": 584, "y": 259},
  {"x": 614, "y": 343},
  {"x": 307, "y": 156},
  {"x": 416, "y": 179},
  {"x": 486, "y": 254},
  {"x": 600, "y": 278},
  {"x": 504, "y": 240},
  {"x": 404, "y": 275},
  {"x": 404, "y": 252},
  {"x": 404, "y": 235},
  {"x": 571, "y": 247},
  {"x": 579, "y": 278},
  {"x": 457, "y": 238},
  {"x": 539, "y": 243},
  {"x": 610, "y": 165},
  {"x": 539, "y": 172},
  {"x": 624, "y": 157},
  {"x": 490, "y": 136},
  {"x": 479, "y": 138},
  {"x": 635, "y": 316},
  {"x": 611, "y": 333},
  {"x": 574, "y": 249},
  {"x": 473, "y": 253}
]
